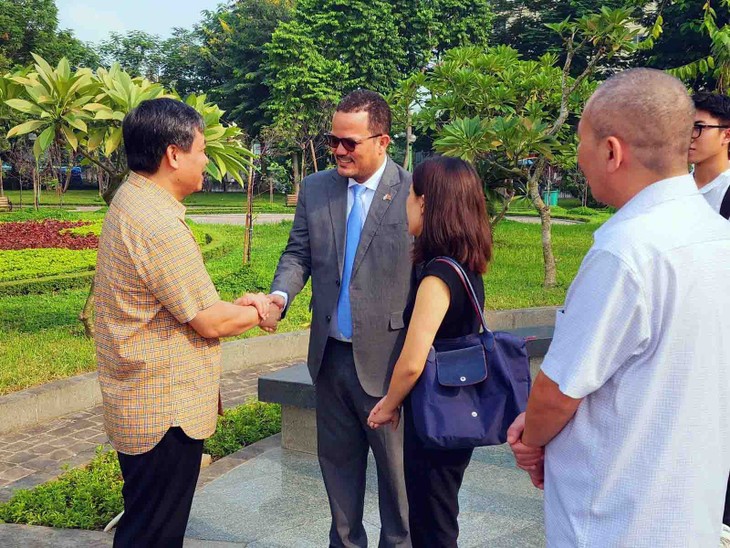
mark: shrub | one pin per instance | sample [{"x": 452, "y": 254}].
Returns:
[
  {"x": 22, "y": 264},
  {"x": 89, "y": 497},
  {"x": 81, "y": 498},
  {"x": 243, "y": 425},
  {"x": 586, "y": 211}
]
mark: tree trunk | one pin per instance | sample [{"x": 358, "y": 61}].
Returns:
[
  {"x": 115, "y": 181},
  {"x": 248, "y": 233},
  {"x": 314, "y": 155},
  {"x": 550, "y": 279},
  {"x": 505, "y": 207},
  {"x": 295, "y": 170},
  {"x": 86, "y": 315},
  {"x": 36, "y": 190}
]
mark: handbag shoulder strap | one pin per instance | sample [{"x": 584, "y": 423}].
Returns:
[
  {"x": 456, "y": 267},
  {"x": 725, "y": 207}
]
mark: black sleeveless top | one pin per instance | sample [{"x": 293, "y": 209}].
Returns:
[{"x": 460, "y": 319}]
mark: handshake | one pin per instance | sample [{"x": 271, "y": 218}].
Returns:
[{"x": 269, "y": 308}]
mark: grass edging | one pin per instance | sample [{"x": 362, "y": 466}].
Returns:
[{"x": 90, "y": 496}]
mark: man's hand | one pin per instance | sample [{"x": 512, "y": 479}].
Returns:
[
  {"x": 271, "y": 323},
  {"x": 530, "y": 459},
  {"x": 258, "y": 300},
  {"x": 276, "y": 309}
]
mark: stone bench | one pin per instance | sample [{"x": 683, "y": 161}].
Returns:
[{"x": 293, "y": 389}]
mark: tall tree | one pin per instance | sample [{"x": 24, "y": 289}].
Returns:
[
  {"x": 362, "y": 34},
  {"x": 430, "y": 27},
  {"x": 31, "y": 26},
  {"x": 231, "y": 55},
  {"x": 137, "y": 52},
  {"x": 304, "y": 86}
]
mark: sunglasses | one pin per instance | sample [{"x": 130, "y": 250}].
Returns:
[{"x": 348, "y": 144}]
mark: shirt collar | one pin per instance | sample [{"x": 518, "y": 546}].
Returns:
[
  {"x": 682, "y": 186},
  {"x": 157, "y": 193},
  {"x": 717, "y": 181},
  {"x": 374, "y": 180}
]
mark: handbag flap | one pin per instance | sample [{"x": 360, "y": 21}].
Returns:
[{"x": 461, "y": 366}]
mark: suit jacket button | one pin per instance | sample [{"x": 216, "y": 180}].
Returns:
[
  {"x": 337, "y": 283},
  {"x": 329, "y": 318}
]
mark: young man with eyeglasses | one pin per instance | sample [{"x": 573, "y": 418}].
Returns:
[
  {"x": 709, "y": 153},
  {"x": 708, "y": 150},
  {"x": 350, "y": 237}
]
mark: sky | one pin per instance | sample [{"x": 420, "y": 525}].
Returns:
[{"x": 93, "y": 20}]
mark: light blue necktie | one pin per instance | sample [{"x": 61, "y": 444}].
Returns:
[{"x": 354, "y": 228}]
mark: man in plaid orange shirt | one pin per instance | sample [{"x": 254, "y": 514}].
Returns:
[{"x": 158, "y": 321}]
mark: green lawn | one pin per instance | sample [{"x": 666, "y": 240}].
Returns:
[
  {"x": 198, "y": 202},
  {"x": 41, "y": 338}
]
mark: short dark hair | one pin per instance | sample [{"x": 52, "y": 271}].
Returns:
[
  {"x": 379, "y": 117},
  {"x": 716, "y": 104},
  {"x": 455, "y": 221},
  {"x": 154, "y": 125}
]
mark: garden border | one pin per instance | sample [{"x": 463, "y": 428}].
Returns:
[{"x": 53, "y": 400}]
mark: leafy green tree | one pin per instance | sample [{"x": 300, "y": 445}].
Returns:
[
  {"x": 304, "y": 86},
  {"x": 496, "y": 109},
  {"x": 361, "y": 34},
  {"x": 31, "y": 26},
  {"x": 231, "y": 55},
  {"x": 180, "y": 62},
  {"x": 430, "y": 27},
  {"x": 698, "y": 49},
  {"x": 137, "y": 52},
  {"x": 82, "y": 112}
]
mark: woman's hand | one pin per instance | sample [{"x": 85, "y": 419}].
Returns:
[
  {"x": 381, "y": 415},
  {"x": 258, "y": 300}
]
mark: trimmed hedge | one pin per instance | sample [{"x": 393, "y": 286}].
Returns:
[{"x": 28, "y": 264}]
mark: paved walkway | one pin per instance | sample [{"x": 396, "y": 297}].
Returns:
[
  {"x": 277, "y": 499},
  {"x": 38, "y": 454}
]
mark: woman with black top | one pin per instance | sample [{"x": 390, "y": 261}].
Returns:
[{"x": 447, "y": 215}]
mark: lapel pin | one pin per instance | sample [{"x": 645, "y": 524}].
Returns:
[{"x": 387, "y": 198}]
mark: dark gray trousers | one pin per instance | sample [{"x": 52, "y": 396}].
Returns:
[{"x": 343, "y": 440}]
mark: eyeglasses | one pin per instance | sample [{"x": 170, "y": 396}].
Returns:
[
  {"x": 697, "y": 129},
  {"x": 349, "y": 144}
]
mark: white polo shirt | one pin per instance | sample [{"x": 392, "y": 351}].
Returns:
[
  {"x": 715, "y": 190},
  {"x": 644, "y": 340}
]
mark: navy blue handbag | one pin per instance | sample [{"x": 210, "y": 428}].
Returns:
[{"x": 472, "y": 387}]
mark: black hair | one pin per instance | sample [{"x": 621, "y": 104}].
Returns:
[
  {"x": 717, "y": 104},
  {"x": 379, "y": 117},
  {"x": 153, "y": 126}
]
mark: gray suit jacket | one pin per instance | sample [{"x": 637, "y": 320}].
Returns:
[{"x": 380, "y": 277}]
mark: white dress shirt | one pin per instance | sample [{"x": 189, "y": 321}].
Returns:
[
  {"x": 643, "y": 340},
  {"x": 715, "y": 190},
  {"x": 371, "y": 185}
]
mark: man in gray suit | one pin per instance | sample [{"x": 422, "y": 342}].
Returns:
[{"x": 350, "y": 235}]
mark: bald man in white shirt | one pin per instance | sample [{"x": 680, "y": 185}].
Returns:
[{"x": 631, "y": 404}]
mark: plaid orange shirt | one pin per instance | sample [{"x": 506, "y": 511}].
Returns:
[{"x": 155, "y": 370}]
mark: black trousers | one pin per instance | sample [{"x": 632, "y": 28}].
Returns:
[
  {"x": 433, "y": 480},
  {"x": 158, "y": 492},
  {"x": 343, "y": 442}
]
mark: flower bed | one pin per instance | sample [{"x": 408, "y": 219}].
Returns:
[{"x": 49, "y": 233}]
